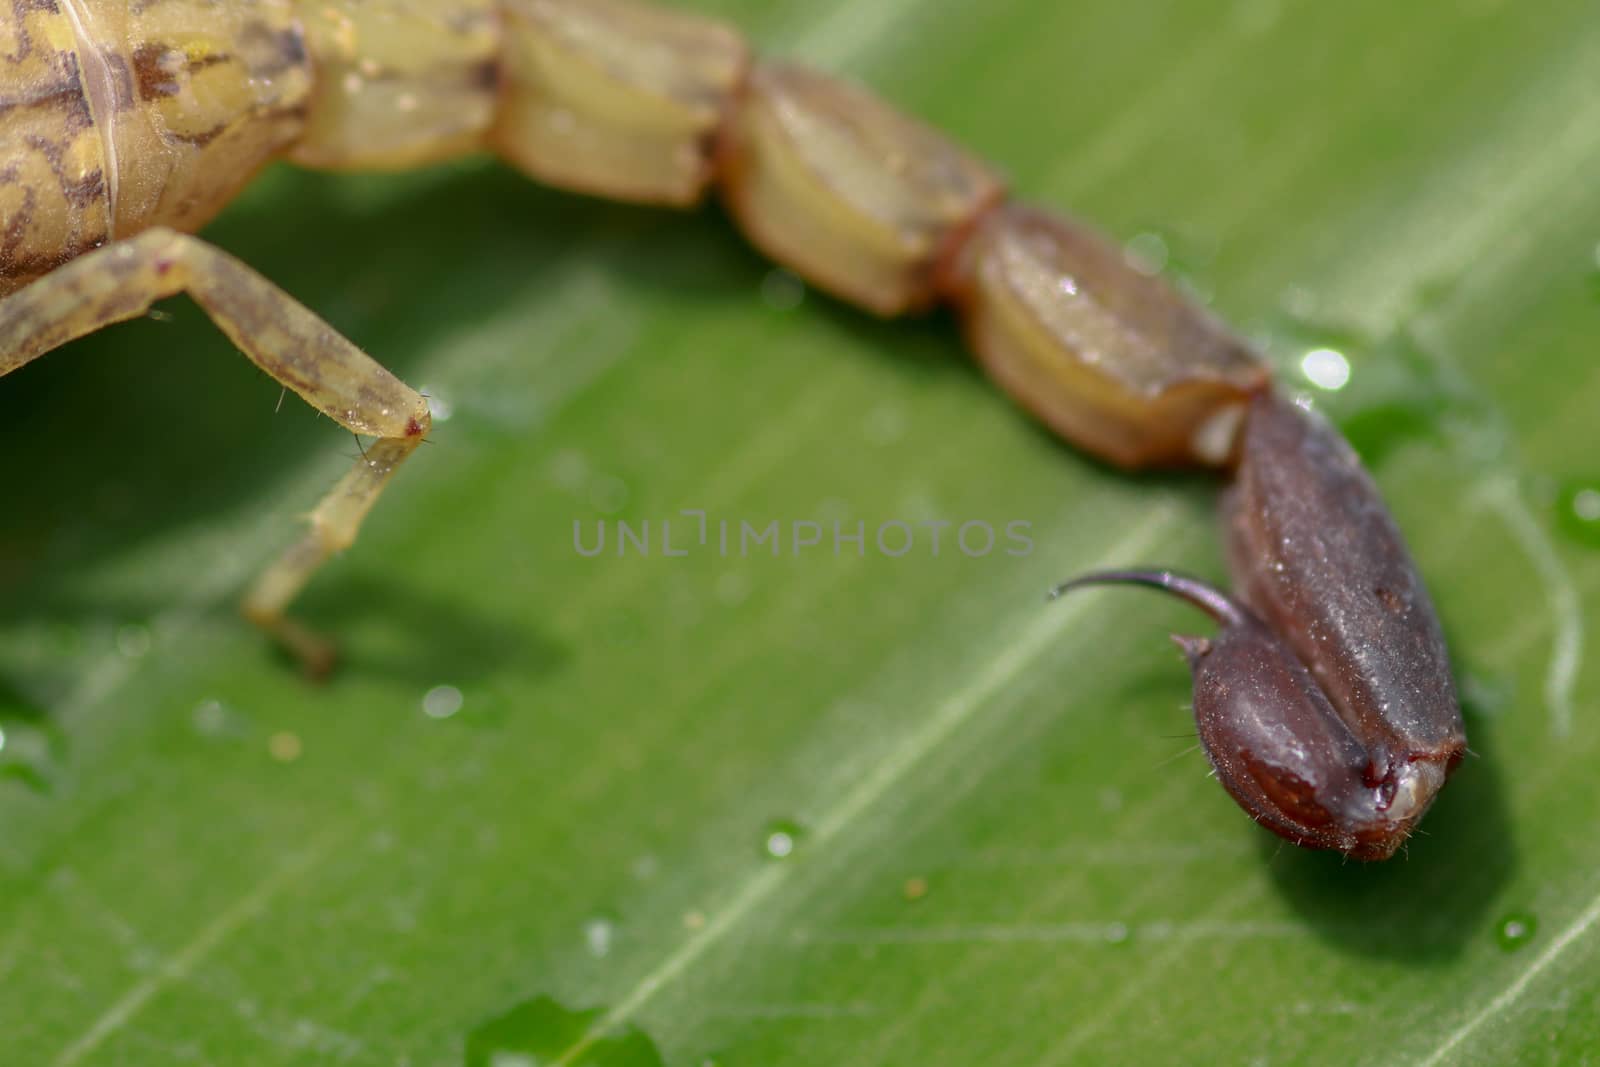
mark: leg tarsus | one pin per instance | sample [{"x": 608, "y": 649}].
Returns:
[
  {"x": 278, "y": 334},
  {"x": 334, "y": 525},
  {"x": 316, "y": 654}
]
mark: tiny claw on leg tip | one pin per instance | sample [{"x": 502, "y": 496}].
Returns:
[
  {"x": 316, "y": 655},
  {"x": 318, "y": 660}
]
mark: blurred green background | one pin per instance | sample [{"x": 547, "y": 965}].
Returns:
[{"x": 825, "y": 809}]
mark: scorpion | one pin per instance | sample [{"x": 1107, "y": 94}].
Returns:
[{"x": 1325, "y": 702}]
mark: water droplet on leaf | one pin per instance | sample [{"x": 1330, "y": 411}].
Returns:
[
  {"x": 598, "y": 934},
  {"x": 1578, "y": 512},
  {"x": 1326, "y": 368},
  {"x": 782, "y": 837},
  {"x": 441, "y": 702},
  {"x": 1516, "y": 930},
  {"x": 540, "y": 1031}
]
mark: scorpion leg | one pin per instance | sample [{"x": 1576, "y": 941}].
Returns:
[{"x": 278, "y": 334}]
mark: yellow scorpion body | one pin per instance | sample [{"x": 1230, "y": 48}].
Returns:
[{"x": 126, "y": 126}]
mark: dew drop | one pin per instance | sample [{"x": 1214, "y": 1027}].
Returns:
[
  {"x": 782, "y": 838},
  {"x": 441, "y": 702},
  {"x": 1115, "y": 933},
  {"x": 1578, "y": 512},
  {"x": 781, "y": 290},
  {"x": 1400, "y": 394},
  {"x": 1516, "y": 930},
  {"x": 1586, "y": 504},
  {"x": 539, "y": 1032},
  {"x": 1326, "y": 368},
  {"x": 598, "y": 934}
]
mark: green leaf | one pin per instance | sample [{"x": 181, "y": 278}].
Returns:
[{"x": 832, "y": 808}]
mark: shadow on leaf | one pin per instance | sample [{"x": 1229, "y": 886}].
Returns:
[{"x": 1424, "y": 905}]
